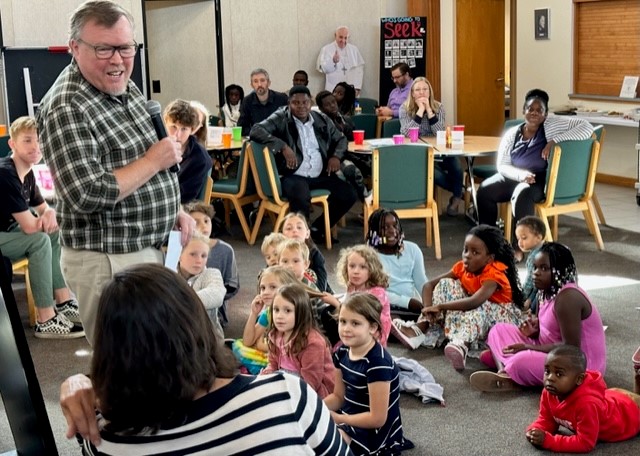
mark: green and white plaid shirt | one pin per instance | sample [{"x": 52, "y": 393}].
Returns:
[{"x": 85, "y": 135}]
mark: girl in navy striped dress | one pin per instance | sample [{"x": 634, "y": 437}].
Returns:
[{"x": 365, "y": 403}]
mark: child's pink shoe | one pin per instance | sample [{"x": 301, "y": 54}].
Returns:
[
  {"x": 457, "y": 355},
  {"x": 636, "y": 360}
]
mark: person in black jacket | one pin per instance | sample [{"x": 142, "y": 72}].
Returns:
[{"x": 308, "y": 149}]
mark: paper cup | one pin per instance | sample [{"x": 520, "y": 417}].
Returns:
[
  {"x": 358, "y": 137},
  {"x": 398, "y": 139},
  {"x": 441, "y": 137},
  {"x": 414, "y": 133}
]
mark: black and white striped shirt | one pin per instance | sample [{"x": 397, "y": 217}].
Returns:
[{"x": 275, "y": 414}]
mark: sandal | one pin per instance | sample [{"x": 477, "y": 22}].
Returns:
[
  {"x": 491, "y": 382},
  {"x": 409, "y": 342}
]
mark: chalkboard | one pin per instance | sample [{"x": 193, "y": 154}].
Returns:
[{"x": 44, "y": 67}]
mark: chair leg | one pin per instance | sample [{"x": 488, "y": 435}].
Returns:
[
  {"x": 590, "y": 214},
  {"x": 227, "y": 212},
  {"x": 545, "y": 220},
  {"x": 598, "y": 209},
  {"x": 555, "y": 227},
  {"x": 243, "y": 221},
  {"x": 31, "y": 304},
  {"x": 436, "y": 234},
  {"x": 507, "y": 218},
  {"x": 256, "y": 227},
  {"x": 327, "y": 226}
]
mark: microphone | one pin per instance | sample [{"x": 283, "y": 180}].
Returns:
[{"x": 154, "y": 110}]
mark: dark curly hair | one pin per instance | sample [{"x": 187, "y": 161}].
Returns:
[
  {"x": 563, "y": 267},
  {"x": 502, "y": 251},
  {"x": 374, "y": 236},
  {"x": 348, "y": 102},
  {"x": 231, "y": 87}
]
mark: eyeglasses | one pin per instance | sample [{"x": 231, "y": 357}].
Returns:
[{"x": 106, "y": 52}]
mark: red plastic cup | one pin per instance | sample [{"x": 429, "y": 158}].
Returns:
[
  {"x": 358, "y": 137},
  {"x": 414, "y": 133}
]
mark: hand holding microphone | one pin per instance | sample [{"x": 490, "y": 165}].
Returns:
[{"x": 154, "y": 110}]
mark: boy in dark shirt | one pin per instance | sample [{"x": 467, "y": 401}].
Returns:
[
  {"x": 28, "y": 228},
  {"x": 182, "y": 121}
]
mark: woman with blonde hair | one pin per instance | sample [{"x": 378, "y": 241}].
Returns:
[{"x": 422, "y": 111}]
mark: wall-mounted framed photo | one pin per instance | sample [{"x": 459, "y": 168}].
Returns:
[{"x": 541, "y": 25}]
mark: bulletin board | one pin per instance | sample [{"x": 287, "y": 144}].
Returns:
[{"x": 402, "y": 39}]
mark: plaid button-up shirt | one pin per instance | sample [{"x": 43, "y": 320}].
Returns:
[{"x": 85, "y": 135}]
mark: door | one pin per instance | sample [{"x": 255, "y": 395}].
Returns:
[{"x": 480, "y": 63}]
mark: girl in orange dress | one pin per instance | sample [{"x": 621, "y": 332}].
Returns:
[{"x": 480, "y": 290}]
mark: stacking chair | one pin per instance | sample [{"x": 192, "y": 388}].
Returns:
[
  {"x": 390, "y": 127},
  {"x": 599, "y": 134},
  {"x": 366, "y": 122},
  {"x": 215, "y": 121},
  {"x": 267, "y": 181},
  {"x": 403, "y": 181},
  {"x": 571, "y": 178},
  {"x": 239, "y": 192},
  {"x": 368, "y": 105}
]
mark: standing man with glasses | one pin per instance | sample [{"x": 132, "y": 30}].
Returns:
[
  {"x": 402, "y": 79},
  {"x": 117, "y": 199}
]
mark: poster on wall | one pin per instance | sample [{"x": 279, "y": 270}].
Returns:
[{"x": 402, "y": 39}]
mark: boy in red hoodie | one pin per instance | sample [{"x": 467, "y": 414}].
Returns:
[{"x": 580, "y": 401}]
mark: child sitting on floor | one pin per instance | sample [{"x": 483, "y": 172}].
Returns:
[
  {"x": 269, "y": 248},
  {"x": 402, "y": 260},
  {"x": 481, "y": 289},
  {"x": 221, "y": 255},
  {"x": 579, "y": 400},
  {"x": 530, "y": 231},
  {"x": 295, "y": 343},
  {"x": 206, "y": 282}
]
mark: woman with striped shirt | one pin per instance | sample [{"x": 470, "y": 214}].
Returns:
[
  {"x": 162, "y": 383},
  {"x": 522, "y": 159}
]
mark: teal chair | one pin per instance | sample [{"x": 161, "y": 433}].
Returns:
[
  {"x": 485, "y": 171},
  {"x": 5, "y": 150},
  {"x": 238, "y": 191},
  {"x": 368, "y": 105},
  {"x": 265, "y": 174},
  {"x": 402, "y": 180},
  {"x": 390, "y": 127},
  {"x": 366, "y": 122},
  {"x": 571, "y": 178}
]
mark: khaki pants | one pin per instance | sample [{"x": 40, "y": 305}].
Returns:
[{"x": 87, "y": 272}]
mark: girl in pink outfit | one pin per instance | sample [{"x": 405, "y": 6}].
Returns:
[
  {"x": 295, "y": 343},
  {"x": 565, "y": 316},
  {"x": 360, "y": 269}
]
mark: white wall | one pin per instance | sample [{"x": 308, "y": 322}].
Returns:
[{"x": 182, "y": 51}]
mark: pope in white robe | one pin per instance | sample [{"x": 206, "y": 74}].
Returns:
[{"x": 341, "y": 61}]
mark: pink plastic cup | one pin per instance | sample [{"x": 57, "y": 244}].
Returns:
[
  {"x": 398, "y": 139},
  {"x": 414, "y": 133},
  {"x": 358, "y": 137}
]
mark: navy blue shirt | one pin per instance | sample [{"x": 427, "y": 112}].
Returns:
[
  {"x": 527, "y": 153},
  {"x": 17, "y": 196},
  {"x": 195, "y": 166}
]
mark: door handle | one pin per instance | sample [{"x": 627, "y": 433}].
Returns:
[{"x": 499, "y": 79}]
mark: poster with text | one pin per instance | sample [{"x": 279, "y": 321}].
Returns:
[{"x": 402, "y": 39}]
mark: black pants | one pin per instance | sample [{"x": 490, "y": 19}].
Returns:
[
  {"x": 499, "y": 189},
  {"x": 297, "y": 190}
]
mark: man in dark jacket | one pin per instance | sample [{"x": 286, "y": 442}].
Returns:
[{"x": 308, "y": 149}]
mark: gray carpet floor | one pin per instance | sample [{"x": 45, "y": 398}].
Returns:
[{"x": 471, "y": 423}]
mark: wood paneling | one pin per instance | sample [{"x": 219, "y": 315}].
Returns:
[
  {"x": 431, "y": 10},
  {"x": 607, "y": 45}
]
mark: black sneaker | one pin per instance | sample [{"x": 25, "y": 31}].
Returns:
[
  {"x": 70, "y": 310},
  {"x": 58, "y": 327}
]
